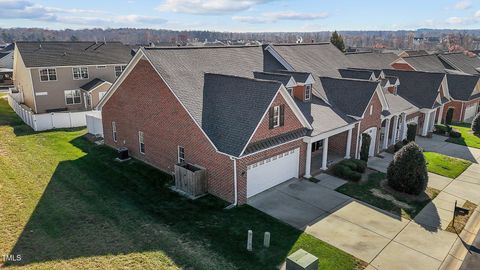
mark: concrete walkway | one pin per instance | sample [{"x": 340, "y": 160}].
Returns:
[
  {"x": 438, "y": 144},
  {"x": 383, "y": 240}
]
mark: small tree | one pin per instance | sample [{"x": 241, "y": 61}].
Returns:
[
  {"x": 408, "y": 170},
  {"x": 449, "y": 117},
  {"x": 364, "y": 151},
  {"x": 411, "y": 132},
  {"x": 337, "y": 40},
  {"x": 476, "y": 124}
]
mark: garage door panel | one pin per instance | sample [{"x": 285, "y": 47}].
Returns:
[
  {"x": 470, "y": 113},
  {"x": 271, "y": 172}
]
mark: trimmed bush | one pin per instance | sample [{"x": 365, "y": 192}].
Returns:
[
  {"x": 344, "y": 170},
  {"x": 476, "y": 124},
  {"x": 361, "y": 165},
  {"x": 411, "y": 132},
  {"x": 364, "y": 151},
  {"x": 408, "y": 171},
  {"x": 442, "y": 129},
  {"x": 449, "y": 117},
  {"x": 455, "y": 134},
  {"x": 398, "y": 146}
]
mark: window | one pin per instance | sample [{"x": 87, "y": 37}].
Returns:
[
  {"x": 101, "y": 94},
  {"x": 101, "y": 67},
  {"x": 48, "y": 74},
  {"x": 72, "y": 97},
  {"x": 276, "y": 116},
  {"x": 308, "y": 91},
  {"x": 371, "y": 109},
  {"x": 80, "y": 73},
  {"x": 290, "y": 91},
  {"x": 114, "y": 131},
  {"x": 181, "y": 154},
  {"x": 141, "y": 142},
  {"x": 119, "y": 70}
]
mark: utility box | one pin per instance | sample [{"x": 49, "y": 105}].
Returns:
[
  {"x": 301, "y": 260},
  {"x": 190, "y": 180},
  {"x": 123, "y": 154}
]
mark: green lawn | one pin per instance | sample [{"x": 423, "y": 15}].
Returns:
[
  {"x": 467, "y": 139},
  {"x": 445, "y": 165},
  {"x": 66, "y": 204},
  {"x": 395, "y": 203}
]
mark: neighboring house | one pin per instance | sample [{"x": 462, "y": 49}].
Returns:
[
  {"x": 426, "y": 90},
  {"x": 467, "y": 62},
  {"x": 371, "y": 60},
  {"x": 59, "y": 76},
  {"x": 428, "y": 63},
  {"x": 6, "y": 64},
  {"x": 465, "y": 93}
]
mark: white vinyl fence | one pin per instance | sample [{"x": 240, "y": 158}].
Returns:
[
  {"x": 94, "y": 123},
  {"x": 46, "y": 121}
]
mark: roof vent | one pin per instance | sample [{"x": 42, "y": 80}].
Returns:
[
  {"x": 64, "y": 53},
  {"x": 40, "y": 45}
]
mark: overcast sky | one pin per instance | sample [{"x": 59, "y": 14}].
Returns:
[{"x": 243, "y": 15}]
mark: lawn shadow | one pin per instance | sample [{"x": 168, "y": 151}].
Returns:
[{"x": 95, "y": 206}]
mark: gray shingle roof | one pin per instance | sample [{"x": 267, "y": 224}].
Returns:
[
  {"x": 53, "y": 53},
  {"x": 397, "y": 104},
  {"x": 376, "y": 72},
  {"x": 276, "y": 140},
  {"x": 283, "y": 78},
  {"x": 299, "y": 77},
  {"x": 461, "y": 86},
  {"x": 462, "y": 62},
  {"x": 183, "y": 69},
  {"x": 429, "y": 63},
  {"x": 356, "y": 74},
  {"x": 419, "y": 88},
  {"x": 348, "y": 95},
  {"x": 92, "y": 84},
  {"x": 371, "y": 60},
  {"x": 232, "y": 109}
]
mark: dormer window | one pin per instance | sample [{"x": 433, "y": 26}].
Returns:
[
  {"x": 276, "y": 116},
  {"x": 290, "y": 91},
  {"x": 308, "y": 91}
]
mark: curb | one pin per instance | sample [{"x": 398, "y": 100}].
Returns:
[{"x": 459, "y": 251}]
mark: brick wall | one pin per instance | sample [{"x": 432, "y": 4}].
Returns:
[
  {"x": 291, "y": 123},
  {"x": 402, "y": 66},
  {"x": 373, "y": 120},
  {"x": 459, "y": 111},
  {"x": 244, "y": 162},
  {"x": 421, "y": 118},
  {"x": 299, "y": 92},
  {"x": 144, "y": 103},
  {"x": 338, "y": 143}
]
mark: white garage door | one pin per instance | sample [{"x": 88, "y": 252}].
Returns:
[
  {"x": 272, "y": 171},
  {"x": 470, "y": 112}
]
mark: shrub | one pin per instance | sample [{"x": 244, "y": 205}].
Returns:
[
  {"x": 449, "y": 117},
  {"x": 408, "y": 170},
  {"x": 476, "y": 124},
  {"x": 411, "y": 132},
  {"x": 454, "y": 134},
  {"x": 364, "y": 151},
  {"x": 350, "y": 164},
  {"x": 343, "y": 171},
  {"x": 398, "y": 146},
  {"x": 361, "y": 165},
  {"x": 442, "y": 129}
]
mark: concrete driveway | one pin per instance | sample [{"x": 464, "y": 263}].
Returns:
[{"x": 438, "y": 144}]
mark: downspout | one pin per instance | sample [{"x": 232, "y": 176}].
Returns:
[{"x": 235, "y": 190}]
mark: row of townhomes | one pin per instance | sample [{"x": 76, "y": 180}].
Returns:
[{"x": 251, "y": 116}]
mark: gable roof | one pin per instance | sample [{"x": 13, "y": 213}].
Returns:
[
  {"x": 56, "y": 54},
  {"x": 419, "y": 88},
  {"x": 371, "y": 60},
  {"x": 93, "y": 84},
  {"x": 300, "y": 77},
  {"x": 233, "y": 107},
  {"x": 397, "y": 104},
  {"x": 283, "y": 78},
  {"x": 429, "y": 62},
  {"x": 376, "y": 72},
  {"x": 461, "y": 86},
  {"x": 350, "y": 96},
  {"x": 183, "y": 69},
  {"x": 462, "y": 62},
  {"x": 356, "y": 74}
]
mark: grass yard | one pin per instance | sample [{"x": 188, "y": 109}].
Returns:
[
  {"x": 445, "y": 165},
  {"x": 373, "y": 192},
  {"x": 66, "y": 204},
  {"x": 467, "y": 139}
]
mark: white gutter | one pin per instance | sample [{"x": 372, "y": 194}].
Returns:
[{"x": 235, "y": 190}]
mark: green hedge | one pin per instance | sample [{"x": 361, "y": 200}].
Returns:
[{"x": 350, "y": 169}]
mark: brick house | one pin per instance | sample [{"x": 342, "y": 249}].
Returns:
[{"x": 465, "y": 93}]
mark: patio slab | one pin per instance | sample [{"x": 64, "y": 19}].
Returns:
[
  {"x": 384, "y": 224},
  {"x": 434, "y": 217},
  {"x": 358, "y": 241},
  {"x": 464, "y": 190},
  {"x": 329, "y": 181},
  {"x": 399, "y": 257},
  {"x": 435, "y": 244},
  {"x": 293, "y": 211}
]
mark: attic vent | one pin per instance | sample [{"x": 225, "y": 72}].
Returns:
[{"x": 64, "y": 53}]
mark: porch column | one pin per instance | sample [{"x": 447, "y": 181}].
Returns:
[
  {"x": 308, "y": 161},
  {"x": 349, "y": 144},
  {"x": 395, "y": 129},
  {"x": 426, "y": 123},
  {"x": 432, "y": 121},
  {"x": 325, "y": 154},
  {"x": 404, "y": 129},
  {"x": 386, "y": 134},
  {"x": 440, "y": 115}
]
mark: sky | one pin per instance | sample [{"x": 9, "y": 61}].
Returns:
[{"x": 243, "y": 15}]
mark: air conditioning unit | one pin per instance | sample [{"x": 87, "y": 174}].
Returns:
[{"x": 123, "y": 154}]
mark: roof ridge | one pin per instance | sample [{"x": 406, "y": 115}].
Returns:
[
  {"x": 415, "y": 71},
  {"x": 198, "y": 47},
  {"x": 273, "y": 73},
  {"x": 349, "y": 79},
  {"x": 300, "y": 44},
  {"x": 243, "y": 78},
  {"x": 59, "y": 41}
]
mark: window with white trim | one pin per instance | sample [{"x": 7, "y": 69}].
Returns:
[
  {"x": 101, "y": 94},
  {"x": 119, "y": 70},
  {"x": 114, "y": 131},
  {"x": 181, "y": 154},
  {"x": 48, "y": 74},
  {"x": 72, "y": 97},
  {"x": 308, "y": 91},
  {"x": 141, "y": 142},
  {"x": 276, "y": 116},
  {"x": 371, "y": 109},
  {"x": 80, "y": 73},
  {"x": 290, "y": 91}
]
